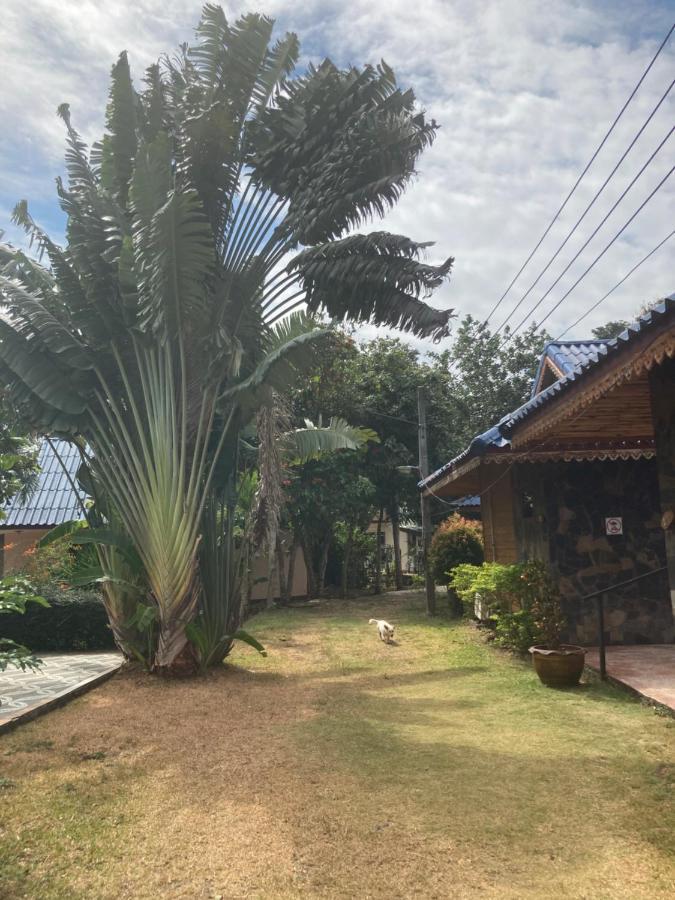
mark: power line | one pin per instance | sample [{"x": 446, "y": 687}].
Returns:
[
  {"x": 617, "y": 285},
  {"x": 602, "y": 253},
  {"x": 593, "y": 234},
  {"x": 579, "y": 179},
  {"x": 588, "y": 208}
]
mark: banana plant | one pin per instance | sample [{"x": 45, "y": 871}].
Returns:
[{"x": 215, "y": 214}]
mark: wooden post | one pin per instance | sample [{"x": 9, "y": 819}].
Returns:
[{"x": 425, "y": 500}]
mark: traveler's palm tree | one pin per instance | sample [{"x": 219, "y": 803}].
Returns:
[{"x": 219, "y": 204}]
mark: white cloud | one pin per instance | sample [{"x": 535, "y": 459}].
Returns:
[{"x": 523, "y": 91}]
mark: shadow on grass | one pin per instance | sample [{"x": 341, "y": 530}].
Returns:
[{"x": 424, "y": 758}]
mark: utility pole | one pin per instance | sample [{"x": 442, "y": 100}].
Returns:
[{"x": 425, "y": 501}]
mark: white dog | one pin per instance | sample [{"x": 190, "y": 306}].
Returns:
[{"x": 386, "y": 631}]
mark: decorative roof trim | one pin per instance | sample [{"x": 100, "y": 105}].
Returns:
[
  {"x": 595, "y": 386},
  {"x": 599, "y": 453},
  {"x": 633, "y": 339},
  {"x": 450, "y": 475},
  {"x": 548, "y": 365}
]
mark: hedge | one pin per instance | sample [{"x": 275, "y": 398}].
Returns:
[{"x": 75, "y": 620}]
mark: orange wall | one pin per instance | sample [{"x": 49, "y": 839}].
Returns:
[{"x": 16, "y": 544}]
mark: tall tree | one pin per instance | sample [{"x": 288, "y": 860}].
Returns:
[
  {"x": 492, "y": 376},
  {"x": 609, "y": 330},
  {"x": 18, "y": 458},
  {"x": 218, "y": 201}
]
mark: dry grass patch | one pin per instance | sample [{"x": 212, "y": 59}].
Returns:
[{"x": 340, "y": 767}]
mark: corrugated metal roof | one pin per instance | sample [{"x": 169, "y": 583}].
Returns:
[
  {"x": 53, "y": 501},
  {"x": 594, "y": 354}
]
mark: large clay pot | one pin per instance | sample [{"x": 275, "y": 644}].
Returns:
[{"x": 561, "y": 667}]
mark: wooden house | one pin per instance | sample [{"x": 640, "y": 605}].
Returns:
[
  {"x": 582, "y": 476},
  {"x": 54, "y": 501}
]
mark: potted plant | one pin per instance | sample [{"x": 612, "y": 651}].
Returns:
[{"x": 556, "y": 664}]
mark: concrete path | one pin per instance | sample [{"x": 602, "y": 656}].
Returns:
[
  {"x": 648, "y": 669},
  {"x": 25, "y": 695}
]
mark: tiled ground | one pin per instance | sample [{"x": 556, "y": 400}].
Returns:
[
  {"x": 646, "y": 668},
  {"x": 25, "y": 694}
]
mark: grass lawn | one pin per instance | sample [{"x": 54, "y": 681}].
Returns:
[{"x": 340, "y": 767}]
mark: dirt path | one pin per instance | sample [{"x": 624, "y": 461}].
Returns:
[{"x": 339, "y": 767}]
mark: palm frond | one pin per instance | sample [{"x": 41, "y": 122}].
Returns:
[
  {"x": 286, "y": 359},
  {"x": 279, "y": 62},
  {"x": 119, "y": 144},
  {"x": 375, "y": 278},
  {"x": 340, "y": 146},
  {"x": 303, "y": 444},
  {"x": 34, "y": 373},
  {"x": 33, "y": 320},
  {"x": 178, "y": 262}
]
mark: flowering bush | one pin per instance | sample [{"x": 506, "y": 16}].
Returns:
[{"x": 456, "y": 541}]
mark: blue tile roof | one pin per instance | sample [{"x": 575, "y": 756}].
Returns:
[
  {"x": 588, "y": 355},
  {"x": 53, "y": 501},
  {"x": 567, "y": 356}
]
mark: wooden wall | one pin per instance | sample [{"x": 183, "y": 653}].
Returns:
[{"x": 499, "y": 532}]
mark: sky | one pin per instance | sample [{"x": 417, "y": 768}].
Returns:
[{"x": 524, "y": 91}]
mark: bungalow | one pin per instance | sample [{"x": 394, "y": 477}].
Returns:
[
  {"x": 582, "y": 476},
  {"x": 57, "y": 499},
  {"x": 409, "y": 541}
]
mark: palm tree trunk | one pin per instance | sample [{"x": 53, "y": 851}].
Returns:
[
  {"x": 323, "y": 563},
  {"x": 281, "y": 569},
  {"x": 271, "y": 571}
]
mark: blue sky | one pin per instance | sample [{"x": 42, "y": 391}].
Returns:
[{"x": 523, "y": 91}]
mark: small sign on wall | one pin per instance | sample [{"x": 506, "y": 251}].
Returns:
[{"x": 614, "y": 525}]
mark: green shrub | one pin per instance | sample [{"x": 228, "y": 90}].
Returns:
[
  {"x": 523, "y": 601},
  {"x": 16, "y": 593},
  {"x": 456, "y": 541},
  {"x": 515, "y": 630},
  {"x": 74, "y": 620},
  {"x": 498, "y": 585}
]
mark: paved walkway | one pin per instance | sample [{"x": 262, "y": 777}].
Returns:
[
  {"x": 648, "y": 669},
  {"x": 24, "y": 695}
]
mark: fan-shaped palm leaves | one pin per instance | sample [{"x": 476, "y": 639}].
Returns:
[{"x": 162, "y": 326}]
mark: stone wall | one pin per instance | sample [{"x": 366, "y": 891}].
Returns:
[
  {"x": 568, "y": 503},
  {"x": 662, "y": 383}
]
